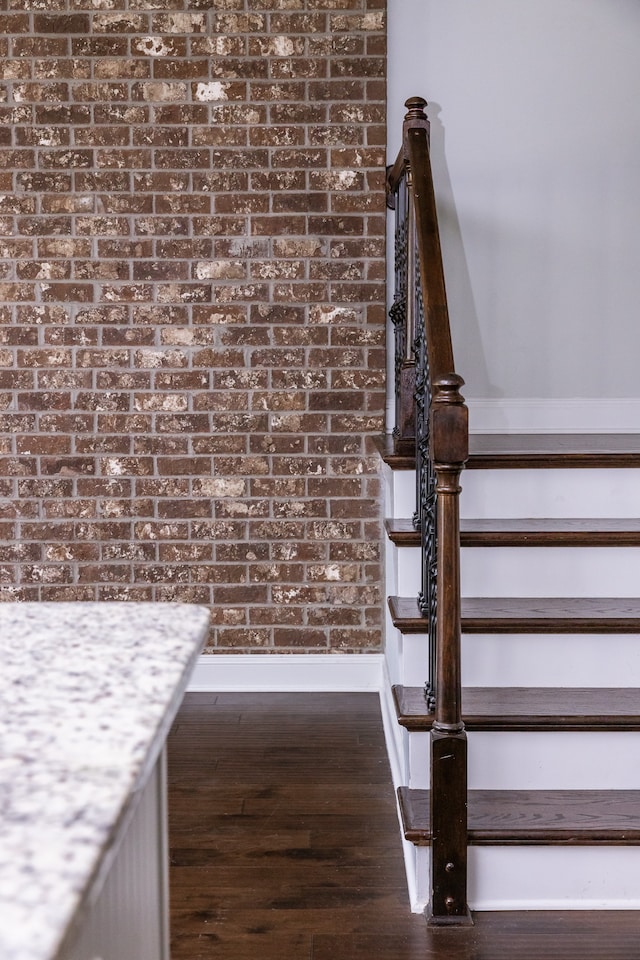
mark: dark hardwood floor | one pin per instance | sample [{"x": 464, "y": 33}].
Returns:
[{"x": 285, "y": 846}]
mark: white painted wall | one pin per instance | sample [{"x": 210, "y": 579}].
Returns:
[{"x": 535, "y": 114}]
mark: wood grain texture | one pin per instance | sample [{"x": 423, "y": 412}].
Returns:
[
  {"x": 544, "y": 935},
  {"x": 385, "y": 446},
  {"x": 283, "y": 825},
  {"x": 551, "y": 615},
  {"x": 550, "y": 532},
  {"x": 530, "y": 533},
  {"x": 520, "y": 451},
  {"x": 402, "y": 532},
  {"x": 529, "y": 615},
  {"x": 562, "y": 450},
  {"x": 535, "y": 817},
  {"x": 258, "y": 871},
  {"x": 534, "y": 708}
]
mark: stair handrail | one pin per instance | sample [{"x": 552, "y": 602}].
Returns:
[{"x": 425, "y": 366}]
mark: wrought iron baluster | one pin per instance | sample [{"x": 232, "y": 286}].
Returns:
[
  {"x": 425, "y": 518},
  {"x": 402, "y": 317},
  {"x": 398, "y": 311},
  {"x": 411, "y": 361}
]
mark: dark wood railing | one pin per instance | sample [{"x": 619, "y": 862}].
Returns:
[{"x": 431, "y": 418}]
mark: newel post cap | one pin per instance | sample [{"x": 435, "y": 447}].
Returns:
[
  {"x": 415, "y": 108},
  {"x": 449, "y": 421}
]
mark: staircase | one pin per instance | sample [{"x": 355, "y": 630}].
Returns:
[
  {"x": 513, "y": 640},
  {"x": 550, "y": 671}
]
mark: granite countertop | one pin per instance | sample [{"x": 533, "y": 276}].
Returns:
[{"x": 88, "y": 692}]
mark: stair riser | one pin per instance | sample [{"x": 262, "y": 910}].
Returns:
[
  {"x": 402, "y": 494},
  {"x": 549, "y": 493},
  {"x": 538, "y": 761},
  {"x": 554, "y": 878},
  {"x": 550, "y": 572},
  {"x": 533, "y": 572},
  {"x": 521, "y": 660},
  {"x": 538, "y": 877},
  {"x": 409, "y": 571},
  {"x": 406, "y": 656},
  {"x": 578, "y": 760},
  {"x": 414, "y": 668},
  {"x": 564, "y": 660},
  {"x": 607, "y": 492}
]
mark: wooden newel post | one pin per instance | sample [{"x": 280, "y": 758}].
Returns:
[{"x": 449, "y": 433}]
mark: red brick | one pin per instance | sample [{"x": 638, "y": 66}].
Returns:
[
  {"x": 194, "y": 321},
  {"x": 119, "y": 22},
  {"x": 61, "y": 23},
  {"x": 272, "y": 615},
  {"x": 305, "y": 637}
]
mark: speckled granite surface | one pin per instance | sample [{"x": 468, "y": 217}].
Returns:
[{"x": 88, "y": 692}]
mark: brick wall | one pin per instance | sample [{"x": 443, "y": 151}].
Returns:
[{"x": 192, "y": 310}]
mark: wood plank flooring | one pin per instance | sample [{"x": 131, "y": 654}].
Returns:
[{"x": 284, "y": 846}]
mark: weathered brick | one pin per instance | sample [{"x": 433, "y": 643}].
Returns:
[
  {"x": 271, "y": 615},
  {"x": 38, "y": 45},
  {"x": 248, "y": 639},
  {"x": 277, "y": 92},
  {"x": 300, "y": 637},
  {"x": 119, "y": 22},
  {"x": 75, "y": 69},
  {"x": 300, "y": 336},
  {"x": 61, "y": 23},
  {"x": 193, "y": 321},
  {"x": 288, "y": 594},
  {"x": 66, "y": 159}
]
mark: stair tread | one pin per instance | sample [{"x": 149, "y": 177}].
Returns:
[
  {"x": 530, "y": 615},
  {"x": 530, "y": 708},
  {"x": 530, "y": 532},
  {"x": 535, "y": 816},
  {"x": 402, "y": 531},
  {"x": 553, "y": 450},
  {"x": 526, "y": 450},
  {"x": 397, "y": 461}
]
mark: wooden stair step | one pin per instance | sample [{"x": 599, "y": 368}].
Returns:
[
  {"x": 530, "y": 708},
  {"x": 498, "y": 451},
  {"x": 397, "y": 461},
  {"x": 529, "y": 615},
  {"x": 530, "y": 533},
  {"x": 402, "y": 532},
  {"x": 519, "y": 451},
  {"x": 541, "y": 817}
]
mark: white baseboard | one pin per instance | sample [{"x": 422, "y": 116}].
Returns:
[
  {"x": 493, "y": 906},
  {"x": 537, "y": 415},
  {"x": 393, "y": 732},
  {"x": 393, "y": 735},
  {"x": 235, "y": 672}
]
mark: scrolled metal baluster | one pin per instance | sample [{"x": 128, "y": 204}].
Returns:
[
  {"x": 397, "y": 315},
  {"x": 398, "y": 310},
  {"x": 426, "y": 512}
]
